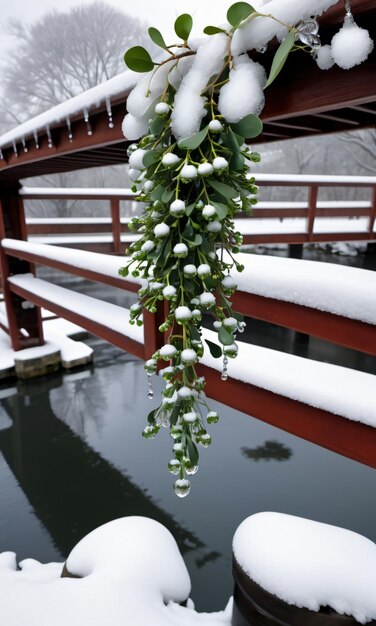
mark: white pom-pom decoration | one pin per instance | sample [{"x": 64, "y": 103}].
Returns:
[
  {"x": 351, "y": 45},
  {"x": 324, "y": 58}
]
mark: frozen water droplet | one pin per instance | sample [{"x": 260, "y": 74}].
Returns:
[
  {"x": 182, "y": 487},
  {"x": 150, "y": 388},
  {"x": 174, "y": 466},
  {"x": 224, "y": 374},
  {"x": 190, "y": 471}
]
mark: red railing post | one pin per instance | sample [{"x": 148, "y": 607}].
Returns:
[
  {"x": 312, "y": 205},
  {"x": 116, "y": 225},
  {"x": 373, "y": 215},
  {"x": 24, "y": 321}
]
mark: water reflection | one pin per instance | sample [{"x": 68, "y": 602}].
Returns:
[
  {"x": 269, "y": 451},
  {"x": 71, "y": 488}
]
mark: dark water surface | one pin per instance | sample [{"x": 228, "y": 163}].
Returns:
[{"x": 72, "y": 458}]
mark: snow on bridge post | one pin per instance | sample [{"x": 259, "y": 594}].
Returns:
[{"x": 25, "y": 323}]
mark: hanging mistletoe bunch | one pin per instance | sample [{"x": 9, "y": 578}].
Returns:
[{"x": 195, "y": 109}]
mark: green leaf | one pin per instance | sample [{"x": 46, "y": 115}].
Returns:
[
  {"x": 157, "y": 37},
  {"x": 193, "y": 142},
  {"x": 225, "y": 337},
  {"x": 175, "y": 412},
  {"x": 225, "y": 190},
  {"x": 192, "y": 452},
  {"x": 195, "y": 334},
  {"x": 183, "y": 26},
  {"x": 237, "y": 162},
  {"x": 197, "y": 241},
  {"x": 249, "y": 127},
  {"x": 150, "y": 157},
  {"x": 157, "y": 125},
  {"x": 189, "y": 208},
  {"x": 239, "y": 12},
  {"x": 167, "y": 195},
  {"x": 138, "y": 59},
  {"x": 151, "y": 416},
  {"x": 213, "y": 30},
  {"x": 215, "y": 350},
  {"x": 188, "y": 230},
  {"x": 280, "y": 57},
  {"x": 222, "y": 209},
  {"x": 157, "y": 193}
]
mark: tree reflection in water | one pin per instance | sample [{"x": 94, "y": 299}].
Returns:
[{"x": 269, "y": 451}]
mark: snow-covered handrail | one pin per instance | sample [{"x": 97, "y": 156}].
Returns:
[
  {"x": 92, "y": 98},
  {"x": 317, "y": 296},
  {"x": 38, "y": 193},
  {"x": 321, "y": 180}
]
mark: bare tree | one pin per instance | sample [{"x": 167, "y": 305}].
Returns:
[
  {"x": 54, "y": 59},
  {"x": 361, "y": 146},
  {"x": 64, "y": 54}
]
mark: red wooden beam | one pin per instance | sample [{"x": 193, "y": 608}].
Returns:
[
  {"x": 340, "y": 330},
  {"x": 350, "y": 439}
]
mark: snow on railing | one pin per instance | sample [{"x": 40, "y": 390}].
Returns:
[
  {"x": 90, "y": 99},
  {"x": 311, "y": 385}
]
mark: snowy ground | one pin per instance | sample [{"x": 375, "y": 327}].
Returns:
[{"x": 132, "y": 574}]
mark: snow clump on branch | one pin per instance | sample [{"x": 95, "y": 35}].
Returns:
[
  {"x": 189, "y": 106},
  {"x": 244, "y": 93}
]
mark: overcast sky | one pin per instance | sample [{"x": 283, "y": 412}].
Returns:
[{"x": 159, "y": 13}]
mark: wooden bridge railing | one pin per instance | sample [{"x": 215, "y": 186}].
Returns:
[
  {"x": 19, "y": 257},
  {"x": 308, "y": 221}
]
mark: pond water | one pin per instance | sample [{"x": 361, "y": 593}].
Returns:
[{"x": 72, "y": 458}]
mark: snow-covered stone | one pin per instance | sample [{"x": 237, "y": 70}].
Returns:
[{"x": 309, "y": 564}]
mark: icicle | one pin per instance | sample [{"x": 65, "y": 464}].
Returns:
[
  {"x": 15, "y": 148},
  {"x": 36, "y": 140},
  {"x": 86, "y": 118},
  {"x": 224, "y": 374},
  {"x": 109, "y": 113},
  {"x": 69, "y": 126},
  {"x": 1, "y": 155},
  {"x": 49, "y": 138},
  {"x": 150, "y": 387},
  {"x": 25, "y": 149}
]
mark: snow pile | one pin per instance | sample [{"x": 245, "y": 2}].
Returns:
[
  {"x": 324, "y": 58},
  {"x": 57, "y": 334},
  {"x": 321, "y": 385},
  {"x": 154, "y": 83},
  {"x": 189, "y": 105},
  {"x": 351, "y": 45},
  {"x": 133, "y": 574},
  {"x": 244, "y": 93},
  {"x": 309, "y": 564},
  {"x": 256, "y": 33},
  {"x": 346, "y": 291}
]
